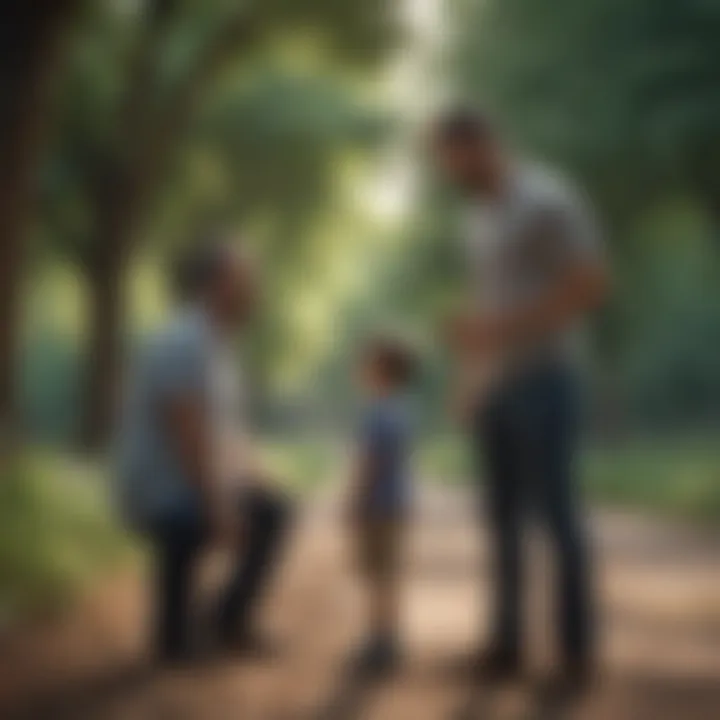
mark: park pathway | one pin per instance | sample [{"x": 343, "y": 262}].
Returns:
[{"x": 660, "y": 624}]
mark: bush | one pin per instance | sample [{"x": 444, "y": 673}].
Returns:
[
  {"x": 50, "y": 388},
  {"x": 55, "y": 532}
]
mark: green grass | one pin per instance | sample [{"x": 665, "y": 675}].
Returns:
[
  {"x": 301, "y": 464},
  {"x": 56, "y": 533},
  {"x": 445, "y": 458},
  {"x": 676, "y": 476}
]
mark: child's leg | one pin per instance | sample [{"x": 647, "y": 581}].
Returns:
[
  {"x": 384, "y": 585},
  {"x": 381, "y": 595},
  {"x": 384, "y": 607}
]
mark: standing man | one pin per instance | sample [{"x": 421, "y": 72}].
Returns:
[
  {"x": 537, "y": 271},
  {"x": 185, "y": 478}
]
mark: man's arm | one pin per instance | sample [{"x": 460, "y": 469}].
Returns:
[
  {"x": 181, "y": 379},
  {"x": 188, "y": 429},
  {"x": 579, "y": 286},
  {"x": 580, "y": 290}
]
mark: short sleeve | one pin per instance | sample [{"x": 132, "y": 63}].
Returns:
[
  {"x": 379, "y": 434},
  {"x": 571, "y": 233}
]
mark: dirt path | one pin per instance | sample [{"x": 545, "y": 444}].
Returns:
[{"x": 660, "y": 589}]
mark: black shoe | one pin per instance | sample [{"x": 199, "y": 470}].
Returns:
[
  {"x": 498, "y": 665},
  {"x": 176, "y": 659},
  {"x": 568, "y": 685},
  {"x": 250, "y": 645},
  {"x": 377, "y": 660}
]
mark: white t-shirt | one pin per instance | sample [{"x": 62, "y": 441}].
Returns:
[{"x": 516, "y": 248}]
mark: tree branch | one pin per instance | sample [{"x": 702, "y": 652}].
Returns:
[
  {"x": 149, "y": 139},
  {"x": 164, "y": 134},
  {"x": 117, "y": 171},
  {"x": 142, "y": 74},
  {"x": 217, "y": 51}
]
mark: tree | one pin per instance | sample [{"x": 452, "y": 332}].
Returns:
[
  {"x": 623, "y": 92},
  {"x": 29, "y": 43},
  {"x": 146, "y": 74}
]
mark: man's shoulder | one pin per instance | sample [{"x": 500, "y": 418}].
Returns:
[
  {"x": 544, "y": 188},
  {"x": 179, "y": 337}
]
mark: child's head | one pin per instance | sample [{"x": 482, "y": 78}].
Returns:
[{"x": 387, "y": 365}]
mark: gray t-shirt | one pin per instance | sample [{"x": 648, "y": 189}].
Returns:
[
  {"x": 180, "y": 360},
  {"x": 517, "y": 247}
]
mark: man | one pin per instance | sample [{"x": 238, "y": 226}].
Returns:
[
  {"x": 537, "y": 271},
  {"x": 180, "y": 438}
]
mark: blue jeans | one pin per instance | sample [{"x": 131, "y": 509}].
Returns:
[
  {"x": 178, "y": 539},
  {"x": 526, "y": 438}
]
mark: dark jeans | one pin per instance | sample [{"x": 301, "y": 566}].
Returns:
[
  {"x": 527, "y": 436},
  {"x": 177, "y": 542}
]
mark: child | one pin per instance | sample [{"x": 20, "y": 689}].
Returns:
[{"x": 380, "y": 494}]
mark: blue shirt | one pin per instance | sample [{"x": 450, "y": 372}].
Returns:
[
  {"x": 151, "y": 479},
  {"x": 385, "y": 442}
]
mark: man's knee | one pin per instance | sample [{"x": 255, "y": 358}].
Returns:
[
  {"x": 270, "y": 509},
  {"x": 506, "y": 525},
  {"x": 567, "y": 532},
  {"x": 279, "y": 510}
]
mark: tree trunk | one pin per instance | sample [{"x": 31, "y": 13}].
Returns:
[
  {"x": 105, "y": 335},
  {"x": 147, "y": 142},
  {"x": 29, "y": 41},
  {"x": 106, "y": 279}
]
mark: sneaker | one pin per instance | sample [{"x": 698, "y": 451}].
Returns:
[
  {"x": 251, "y": 645},
  {"x": 378, "y": 659},
  {"x": 497, "y": 665},
  {"x": 568, "y": 685}
]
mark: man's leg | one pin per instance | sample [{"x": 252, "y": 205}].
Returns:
[
  {"x": 558, "y": 503},
  {"x": 265, "y": 520},
  {"x": 176, "y": 546},
  {"x": 504, "y": 508},
  {"x": 573, "y": 601}
]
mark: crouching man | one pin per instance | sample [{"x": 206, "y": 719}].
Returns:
[{"x": 184, "y": 471}]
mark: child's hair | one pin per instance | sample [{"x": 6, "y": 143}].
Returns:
[{"x": 395, "y": 359}]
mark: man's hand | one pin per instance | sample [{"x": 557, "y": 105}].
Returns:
[
  {"x": 355, "y": 512},
  {"x": 224, "y": 527},
  {"x": 473, "y": 334},
  {"x": 461, "y": 404},
  {"x": 266, "y": 480}
]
